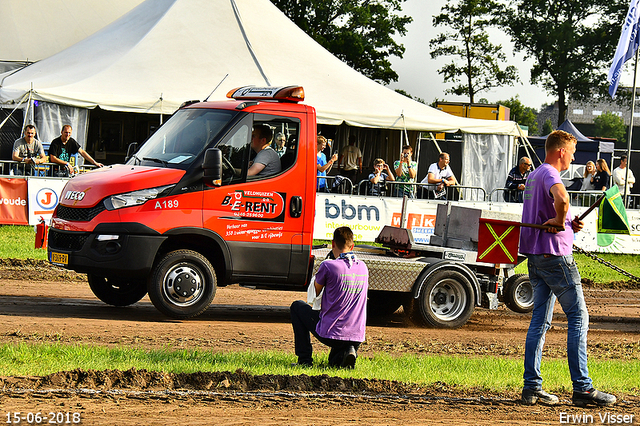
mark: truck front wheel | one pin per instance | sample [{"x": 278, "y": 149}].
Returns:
[
  {"x": 518, "y": 294},
  {"x": 183, "y": 284},
  {"x": 117, "y": 291},
  {"x": 445, "y": 300}
]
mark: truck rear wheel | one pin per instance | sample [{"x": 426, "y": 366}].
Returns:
[
  {"x": 183, "y": 284},
  {"x": 117, "y": 291},
  {"x": 518, "y": 294},
  {"x": 445, "y": 300}
]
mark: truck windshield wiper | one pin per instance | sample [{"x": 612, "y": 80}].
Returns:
[{"x": 156, "y": 160}]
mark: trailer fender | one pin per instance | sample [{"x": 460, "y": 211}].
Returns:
[{"x": 438, "y": 265}]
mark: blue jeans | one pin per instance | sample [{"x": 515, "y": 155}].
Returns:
[{"x": 557, "y": 277}]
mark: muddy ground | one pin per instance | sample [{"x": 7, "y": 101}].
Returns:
[{"x": 39, "y": 303}]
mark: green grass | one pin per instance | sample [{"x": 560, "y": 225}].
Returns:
[
  {"x": 496, "y": 373},
  {"x": 18, "y": 243}
]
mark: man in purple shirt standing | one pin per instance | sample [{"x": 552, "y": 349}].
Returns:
[
  {"x": 341, "y": 321},
  {"x": 553, "y": 274}
]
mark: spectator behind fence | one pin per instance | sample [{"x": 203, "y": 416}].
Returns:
[
  {"x": 601, "y": 179},
  {"x": 619, "y": 174},
  {"x": 378, "y": 179},
  {"x": 516, "y": 181},
  {"x": 323, "y": 165},
  {"x": 28, "y": 150},
  {"x": 440, "y": 175},
  {"x": 589, "y": 174},
  {"x": 63, "y": 147},
  {"x": 351, "y": 159},
  {"x": 406, "y": 171},
  {"x": 341, "y": 321},
  {"x": 280, "y": 142}
]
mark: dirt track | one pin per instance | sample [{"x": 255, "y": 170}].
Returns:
[{"x": 64, "y": 310}]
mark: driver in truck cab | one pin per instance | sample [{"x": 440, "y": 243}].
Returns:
[{"x": 267, "y": 160}]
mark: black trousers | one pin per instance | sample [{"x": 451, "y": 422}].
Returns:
[{"x": 304, "y": 320}]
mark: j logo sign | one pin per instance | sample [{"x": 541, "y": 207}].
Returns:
[{"x": 47, "y": 199}]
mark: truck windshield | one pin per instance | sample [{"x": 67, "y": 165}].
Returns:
[{"x": 181, "y": 139}]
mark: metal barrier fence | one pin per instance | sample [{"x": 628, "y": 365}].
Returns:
[
  {"x": 338, "y": 184},
  {"x": 504, "y": 195},
  {"x": 426, "y": 191},
  {"x": 587, "y": 198},
  {"x": 577, "y": 198},
  {"x": 15, "y": 168}
]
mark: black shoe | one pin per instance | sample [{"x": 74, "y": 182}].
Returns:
[
  {"x": 531, "y": 396},
  {"x": 349, "y": 360},
  {"x": 592, "y": 396}
]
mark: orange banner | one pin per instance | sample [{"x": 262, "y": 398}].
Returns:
[{"x": 13, "y": 202}]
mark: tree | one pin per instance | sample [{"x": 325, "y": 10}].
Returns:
[
  {"x": 547, "y": 127},
  {"x": 359, "y": 32},
  {"x": 571, "y": 41},
  {"x": 478, "y": 66},
  {"x": 415, "y": 98},
  {"x": 523, "y": 115},
  {"x": 610, "y": 125}
]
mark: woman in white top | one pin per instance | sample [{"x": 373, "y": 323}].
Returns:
[{"x": 589, "y": 173}]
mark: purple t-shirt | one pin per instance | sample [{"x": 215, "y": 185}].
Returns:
[
  {"x": 538, "y": 208},
  {"x": 343, "y": 313}
]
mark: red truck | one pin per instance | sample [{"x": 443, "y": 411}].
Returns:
[{"x": 182, "y": 217}]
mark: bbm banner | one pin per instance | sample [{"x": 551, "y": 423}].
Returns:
[{"x": 366, "y": 216}]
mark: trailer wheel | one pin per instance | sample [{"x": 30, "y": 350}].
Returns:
[
  {"x": 383, "y": 303},
  {"x": 117, "y": 291},
  {"x": 445, "y": 301},
  {"x": 518, "y": 294},
  {"x": 183, "y": 284}
]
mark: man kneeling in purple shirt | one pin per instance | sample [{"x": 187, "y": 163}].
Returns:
[{"x": 341, "y": 321}]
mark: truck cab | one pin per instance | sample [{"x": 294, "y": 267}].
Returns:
[{"x": 183, "y": 216}]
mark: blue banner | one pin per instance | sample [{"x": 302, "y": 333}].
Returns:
[{"x": 627, "y": 45}]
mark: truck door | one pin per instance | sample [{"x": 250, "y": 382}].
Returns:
[{"x": 261, "y": 217}]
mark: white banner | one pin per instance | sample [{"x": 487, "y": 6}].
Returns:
[
  {"x": 44, "y": 195},
  {"x": 366, "y": 216}
]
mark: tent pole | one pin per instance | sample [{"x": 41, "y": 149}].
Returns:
[
  {"x": 14, "y": 110},
  {"x": 26, "y": 112},
  {"x": 633, "y": 106}
]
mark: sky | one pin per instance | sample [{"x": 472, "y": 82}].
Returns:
[{"x": 418, "y": 73}]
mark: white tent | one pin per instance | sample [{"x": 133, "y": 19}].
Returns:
[
  {"x": 164, "y": 52},
  {"x": 36, "y": 29}
]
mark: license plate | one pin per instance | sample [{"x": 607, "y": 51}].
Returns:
[{"x": 59, "y": 258}]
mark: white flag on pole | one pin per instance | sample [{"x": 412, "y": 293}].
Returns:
[{"x": 627, "y": 46}]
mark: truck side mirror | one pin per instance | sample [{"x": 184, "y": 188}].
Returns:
[
  {"x": 131, "y": 149},
  {"x": 212, "y": 166}
]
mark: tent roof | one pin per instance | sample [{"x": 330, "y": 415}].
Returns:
[
  {"x": 36, "y": 29},
  {"x": 568, "y": 127},
  {"x": 165, "y": 52}
]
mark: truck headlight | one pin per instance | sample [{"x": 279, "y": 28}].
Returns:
[{"x": 135, "y": 198}]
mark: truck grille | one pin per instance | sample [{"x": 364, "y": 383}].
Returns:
[
  {"x": 79, "y": 214},
  {"x": 66, "y": 241}
]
